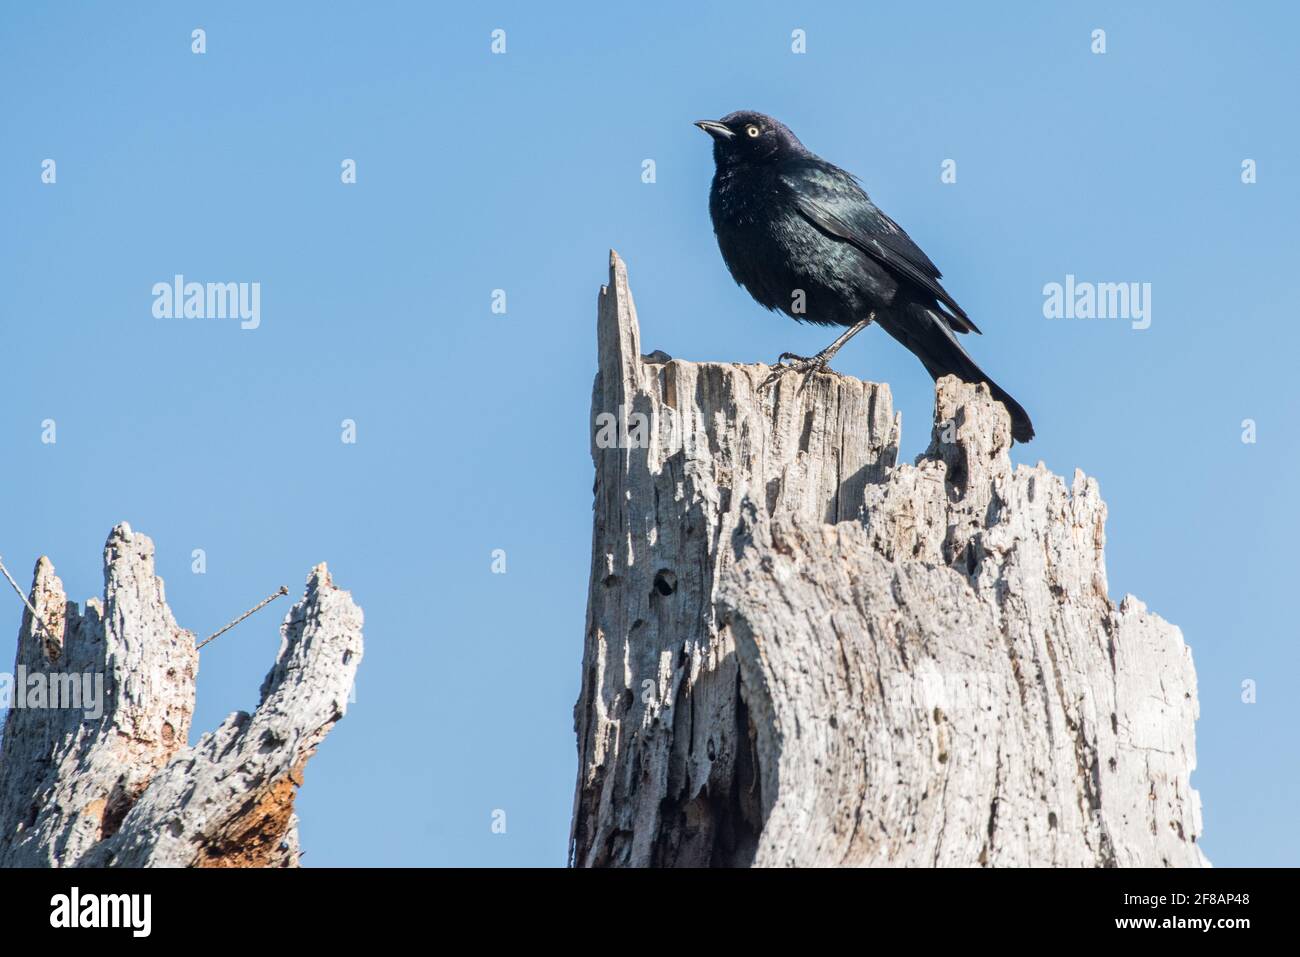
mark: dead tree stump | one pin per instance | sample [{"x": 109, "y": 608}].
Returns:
[
  {"x": 123, "y": 788},
  {"x": 799, "y": 652}
]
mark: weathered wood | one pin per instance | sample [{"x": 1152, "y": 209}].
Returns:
[
  {"x": 122, "y": 788},
  {"x": 799, "y": 652}
]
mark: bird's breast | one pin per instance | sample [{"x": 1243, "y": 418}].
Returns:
[{"x": 781, "y": 259}]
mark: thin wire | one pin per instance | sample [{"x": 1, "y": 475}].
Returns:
[
  {"x": 40, "y": 623},
  {"x": 256, "y": 608},
  {"x": 19, "y": 592}
]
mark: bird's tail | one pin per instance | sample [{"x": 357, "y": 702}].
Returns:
[{"x": 931, "y": 340}]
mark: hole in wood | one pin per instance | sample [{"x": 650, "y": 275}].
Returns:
[{"x": 665, "y": 582}]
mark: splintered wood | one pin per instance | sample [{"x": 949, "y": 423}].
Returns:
[
  {"x": 799, "y": 652},
  {"x": 98, "y": 772}
]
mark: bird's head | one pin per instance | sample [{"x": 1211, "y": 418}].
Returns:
[{"x": 746, "y": 137}]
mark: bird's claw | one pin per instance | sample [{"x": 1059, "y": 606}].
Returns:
[{"x": 804, "y": 365}]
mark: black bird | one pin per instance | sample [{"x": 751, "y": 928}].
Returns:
[{"x": 803, "y": 237}]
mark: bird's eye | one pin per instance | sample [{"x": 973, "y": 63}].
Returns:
[{"x": 751, "y": 130}]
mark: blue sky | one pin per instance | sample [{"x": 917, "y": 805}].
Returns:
[{"x": 478, "y": 172}]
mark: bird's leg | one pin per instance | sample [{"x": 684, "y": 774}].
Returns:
[
  {"x": 824, "y": 357},
  {"x": 817, "y": 363}
]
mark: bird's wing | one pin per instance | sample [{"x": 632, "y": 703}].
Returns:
[{"x": 832, "y": 201}]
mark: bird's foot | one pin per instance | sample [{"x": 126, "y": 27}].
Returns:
[{"x": 804, "y": 365}]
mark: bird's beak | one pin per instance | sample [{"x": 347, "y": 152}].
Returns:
[{"x": 718, "y": 131}]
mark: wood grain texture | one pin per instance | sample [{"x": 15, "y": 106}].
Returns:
[
  {"x": 800, "y": 652},
  {"x": 123, "y": 788}
]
